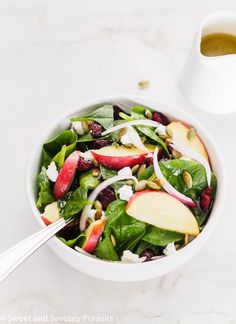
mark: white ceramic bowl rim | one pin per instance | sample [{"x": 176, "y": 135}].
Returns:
[{"x": 174, "y": 259}]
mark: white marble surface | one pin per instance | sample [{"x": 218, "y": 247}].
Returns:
[{"x": 54, "y": 54}]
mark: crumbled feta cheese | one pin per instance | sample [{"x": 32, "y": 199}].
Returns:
[
  {"x": 52, "y": 172},
  {"x": 132, "y": 137},
  {"x": 161, "y": 130},
  {"x": 92, "y": 212},
  {"x": 129, "y": 257},
  {"x": 170, "y": 249},
  {"x": 78, "y": 127},
  {"x": 87, "y": 156},
  {"x": 125, "y": 139},
  {"x": 125, "y": 172},
  {"x": 125, "y": 192}
]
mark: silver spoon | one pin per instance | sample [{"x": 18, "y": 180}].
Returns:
[{"x": 13, "y": 257}]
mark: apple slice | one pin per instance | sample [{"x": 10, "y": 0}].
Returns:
[
  {"x": 93, "y": 234},
  {"x": 162, "y": 210},
  {"x": 66, "y": 175},
  {"x": 119, "y": 157},
  {"x": 180, "y": 135},
  {"x": 51, "y": 213}
]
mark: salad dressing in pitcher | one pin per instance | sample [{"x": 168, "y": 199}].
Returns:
[{"x": 218, "y": 44}]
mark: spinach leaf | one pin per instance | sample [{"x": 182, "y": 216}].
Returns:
[
  {"x": 45, "y": 192},
  {"x": 75, "y": 203},
  {"x": 142, "y": 246},
  {"x": 107, "y": 174},
  {"x": 102, "y": 115},
  {"x": 65, "y": 151},
  {"x": 173, "y": 169},
  {"x": 88, "y": 181},
  {"x": 71, "y": 243},
  {"x": 161, "y": 237},
  {"x": 53, "y": 147},
  {"x": 126, "y": 230},
  {"x": 105, "y": 249}
]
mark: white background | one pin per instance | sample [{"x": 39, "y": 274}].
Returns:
[{"x": 53, "y": 55}]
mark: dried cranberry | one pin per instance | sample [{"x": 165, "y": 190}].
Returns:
[
  {"x": 205, "y": 199},
  {"x": 96, "y": 130},
  {"x": 149, "y": 161},
  {"x": 84, "y": 165},
  {"x": 160, "y": 118},
  {"x": 100, "y": 143},
  {"x": 106, "y": 197},
  {"x": 148, "y": 254},
  {"x": 117, "y": 111}
]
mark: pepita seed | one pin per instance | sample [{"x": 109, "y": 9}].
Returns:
[
  {"x": 113, "y": 240},
  {"x": 168, "y": 141},
  {"x": 96, "y": 172},
  {"x": 153, "y": 185},
  {"x": 95, "y": 163},
  {"x": 128, "y": 145},
  {"x": 191, "y": 133},
  {"x": 116, "y": 145},
  {"x": 159, "y": 182},
  {"x": 97, "y": 205},
  {"x": 130, "y": 182},
  {"x": 141, "y": 185},
  {"x": 85, "y": 127},
  {"x": 176, "y": 154},
  {"x": 98, "y": 214},
  {"x": 186, "y": 239},
  {"x": 187, "y": 179},
  {"x": 143, "y": 84},
  {"x": 141, "y": 169},
  {"x": 135, "y": 168},
  {"x": 148, "y": 114},
  {"x": 143, "y": 139},
  {"x": 169, "y": 131},
  {"x": 122, "y": 132},
  {"x": 89, "y": 122}
]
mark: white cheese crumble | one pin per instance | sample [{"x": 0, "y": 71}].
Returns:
[
  {"x": 125, "y": 192},
  {"x": 132, "y": 137},
  {"x": 78, "y": 127},
  {"x": 170, "y": 249},
  {"x": 161, "y": 130},
  {"x": 87, "y": 156},
  {"x": 52, "y": 172},
  {"x": 129, "y": 257},
  {"x": 126, "y": 172}
]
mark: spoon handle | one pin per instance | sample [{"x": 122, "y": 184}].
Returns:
[{"x": 13, "y": 257}]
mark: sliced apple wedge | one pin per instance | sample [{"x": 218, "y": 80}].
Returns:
[
  {"x": 162, "y": 210},
  {"x": 66, "y": 175},
  {"x": 93, "y": 234},
  {"x": 51, "y": 213},
  {"x": 119, "y": 157},
  {"x": 180, "y": 135}
]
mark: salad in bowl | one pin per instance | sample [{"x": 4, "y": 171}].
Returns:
[{"x": 137, "y": 183}]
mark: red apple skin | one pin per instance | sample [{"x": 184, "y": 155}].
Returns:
[
  {"x": 119, "y": 162},
  {"x": 66, "y": 175},
  {"x": 93, "y": 234},
  {"x": 46, "y": 221}
]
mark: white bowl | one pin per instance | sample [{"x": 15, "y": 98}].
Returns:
[{"x": 118, "y": 271}]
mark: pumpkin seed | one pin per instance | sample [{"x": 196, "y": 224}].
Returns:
[
  {"x": 159, "y": 182},
  {"x": 141, "y": 185},
  {"x": 116, "y": 145},
  {"x": 187, "y": 179},
  {"x": 168, "y": 141},
  {"x": 85, "y": 127},
  {"x": 135, "y": 168},
  {"x": 186, "y": 239},
  {"x": 169, "y": 131},
  {"x": 113, "y": 240},
  {"x": 130, "y": 182},
  {"x": 96, "y": 172},
  {"x": 95, "y": 163},
  {"x": 176, "y": 154},
  {"x": 97, "y": 205},
  {"x": 122, "y": 132},
  {"x": 141, "y": 169},
  {"x": 148, "y": 114},
  {"x": 143, "y": 84},
  {"x": 98, "y": 214},
  {"x": 191, "y": 133},
  {"x": 153, "y": 185}
]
